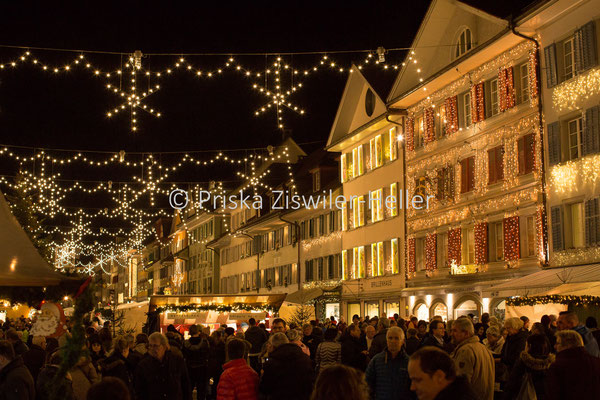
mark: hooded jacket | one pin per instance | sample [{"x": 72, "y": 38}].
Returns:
[
  {"x": 538, "y": 370},
  {"x": 288, "y": 374}
]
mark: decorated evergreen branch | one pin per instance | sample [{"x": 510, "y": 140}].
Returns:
[
  {"x": 556, "y": 299},
  {"x": 75, "y": 347},
  {"x": 217, "y": 307}
]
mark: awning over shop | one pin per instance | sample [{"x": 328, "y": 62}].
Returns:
[
  {"x": 304, "y": 296},
  {"x": 552, "y": 279},
  {"x": 576, "y": 289},
  {"x": 274, "y": 300},
  {"x": 20, "y": 262}
]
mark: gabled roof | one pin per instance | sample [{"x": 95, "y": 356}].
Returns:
[
  {"x": 434, "y": 43},
  {"x": 352, "y": 111}
]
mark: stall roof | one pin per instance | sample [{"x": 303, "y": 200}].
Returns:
[
  {"x": 577, "y": 289},
  {"x": 552, "y": 278},
  {"x": 251, "y": 300},
  {"x": 20, "y": 262}
]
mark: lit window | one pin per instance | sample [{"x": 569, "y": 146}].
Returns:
[
  {"x": 393, "y": 203},
  {"x": 524, "y": 90},
  {"x": 359, "y": 262},
  {"x": 464, "y": 43},
  {"x": 574, "y": 234},
  {"x": 376, "y": 152},
  {"x": 494, "y": 97},
  {"x": 395, "y": 257},
  {"x": 575, "y": 129},
  {"x": 376, "y": 205},
  {"x": 345, "y": 274},
  {"x": 393, "y": 144},
  {"x": 569, "y": 58},
  {"x": 467, "y": 109},
  {"x": 344, "y": 216}
]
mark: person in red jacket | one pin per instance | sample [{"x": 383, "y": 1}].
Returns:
[{"x": 238, "y": 381}]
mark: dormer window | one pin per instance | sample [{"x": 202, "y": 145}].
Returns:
[{"x": 464, "y": 43}]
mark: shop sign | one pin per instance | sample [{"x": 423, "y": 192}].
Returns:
[
  {"x": 187, "y": 315},
  {"x": 245, "y": 316},
  {"x": 383, "y": 283}
]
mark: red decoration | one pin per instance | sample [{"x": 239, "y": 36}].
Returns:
[
  {"x": 481, "y": 243},
  {"x": 451, "y": 105},
  {"x": 83, "y": 286},
  {"x": 506, "y": 89},
  {"x": 429, "y": 125},
  {"x": 454, "y": 246},
  {"x": 477, "y": 103},
  {"x": 410, "y": 134},
  {"x": 431, "y": 252},
  {"x": 511, "y": 238},
  {"x": 412, "y": 255}
]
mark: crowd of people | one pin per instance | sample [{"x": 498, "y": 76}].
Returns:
[{"x": 371, "y": 358}]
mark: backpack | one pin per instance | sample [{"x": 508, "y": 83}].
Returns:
[{"x": 527, "y": 391}]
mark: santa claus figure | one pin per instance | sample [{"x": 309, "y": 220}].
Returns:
[{"x": 50, "y": 322}]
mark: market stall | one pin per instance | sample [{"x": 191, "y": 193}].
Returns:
[{"x": 214, "y": 311}]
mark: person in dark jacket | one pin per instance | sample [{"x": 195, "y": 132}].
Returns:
[
  {"x": 257, "y": 338},
  {"x": 592, "y": 324},
  {"x": 437, "y": 331},
  {"x": 162, "y": 374},
  {"x": 13, "y": 337},
  {"x": 534, "y": 362},
  {"x": 354, "y": 352},
  {"x": 379, "y": 340},
  {"x": 288, "y": 372},
  {"x": 569, "y": 320},
  {"x": 35, "y": 357},
  {"x": 47, "y": 374},
  {"x": 195, "y": 352},
  {"x": 108, "y": 388},
  {"x": 433, "y": 376},
  {"x": 216, "y": 359},
  {"x": 574, "y": 374},
  {"x": 96, "y": 351},
  {"x": 412, "y": 342},
  {"x": 310, "y": 339},
  {"x": 16, "y": 382},
  {"x": 387, "y": 373},
  {"x": 116, "y": 365},
  {"x": 515, "y": 342},
  {"x": 152, "y": 321}
]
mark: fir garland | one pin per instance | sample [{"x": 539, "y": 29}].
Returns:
[
  {"x": 217, "y": 307},
  {"x": 75, "y": 347},
  {"x": 556, "y": 299}
]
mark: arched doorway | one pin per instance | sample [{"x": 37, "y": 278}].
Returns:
[
  {"x": 421, "y": 312},
  {"x": 439, "y": 309},
  {"x": 467, "y": 307},
  {"x": 499, "y": 310}
]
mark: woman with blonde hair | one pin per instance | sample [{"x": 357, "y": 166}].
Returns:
[{"x": 339, "y": 382}]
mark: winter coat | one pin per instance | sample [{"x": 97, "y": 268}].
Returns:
[
  {"x": 496, "y": 348},
  {"x": 574, "y": 375},
  {"x": 43, "y": 387},
  {"x": 238, "y": 381},
  {"x": 476, "y": 363},
  {"x": 537, "y": 368},
  {"x": 195, "y": 352},
  {"x": 133, "y": 359},
  {"x": 16, "y": 382},
  {"x": 328, "y": 353},
  {"x": 431, "y": 340},
  {"x": 287, "y": 374},
  {"x": 459, "y": 389},
  {"x": 305, "y": 349},
  {"x": 96, "y": 358},
  {"x": 352, "y": 353},
  {"x": 117, "y": 366},
  {"x": 589, "y": 341},
  {"x": 513, "y": 346},
  {"x": 34, "y": 359},
  {"x": 388, "y": 377},
  {"x": 257, "y": 337},
  {"x": 166, "y": 379},
  {"x": 378, "y": 344},
  {"x": 312, "y": 342},
  {"x": 84, "y": 375},
  {"x": 20, "y": 348}
]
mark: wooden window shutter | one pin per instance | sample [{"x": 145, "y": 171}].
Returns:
[
  {"x": 481, "y": 243},
  {"x": 529, "y": 152},
  {"x": 551, "y": 67},
  {"x": 585, "y": 47},
  {"x": 451, "y": 105},
  {"x": 591, "y": 131},
  {"x": 557, "y": 229},
  {"x": 592, "y": 222},
  {"x": 470, "y": 173},
  {"x": 478, "y": 102},
  {"x": 410, "y": 135},
  {"x": 500, "y": 163},
  {"x": 512, "y": 250},
  {"x": 492, "y": 166},
  {"x": 431, "y": 252},
  {"x": 554, "y": 147},
  {"x": 463, "y": 176}
]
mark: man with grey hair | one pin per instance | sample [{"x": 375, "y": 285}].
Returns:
[
  {"x": 473, "y": 360},
  {"x": 379, "y": 340},
  {"x": 569, "y": 320},
  {"x": 163, "y": 374},
  {"x": 574, "y": 374},
  {"x": 387, "y": 373},
  {"x": 288, "y": 372}
]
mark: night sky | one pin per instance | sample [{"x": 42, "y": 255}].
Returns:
[{"x": 68, "y": 110}]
